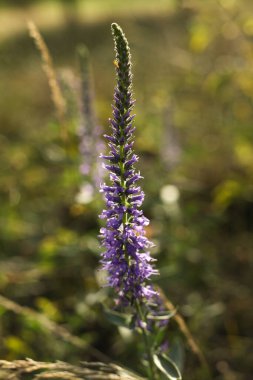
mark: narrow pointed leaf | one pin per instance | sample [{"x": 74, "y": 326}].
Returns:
[
  {"x": 167, "y": 367},
  {"x": 118, "y": 319},
  {"x": 159, "y": 337},
  {"x": 164, "y": 316},
  {"x": 177, "y": 353}
]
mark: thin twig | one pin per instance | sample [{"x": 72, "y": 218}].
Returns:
[{"x": 184, "y": 329}]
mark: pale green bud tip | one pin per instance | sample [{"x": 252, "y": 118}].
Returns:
[
  {"x": 82, "y": 52},
  {"x": 118, "y": 33},
  {"x": 121, "y": 43},
  {"x": 116, "y": 28}
]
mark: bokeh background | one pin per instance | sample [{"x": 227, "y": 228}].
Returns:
[{"x": 193, "y": 81}]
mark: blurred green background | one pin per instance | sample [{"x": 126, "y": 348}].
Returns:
[{"x": 193, "y": 81}]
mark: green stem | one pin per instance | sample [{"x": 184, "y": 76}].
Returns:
[{"x": 152, "y": 370}]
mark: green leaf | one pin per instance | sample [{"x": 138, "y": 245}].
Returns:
[
  {"x": 167, "y": 367},
  {"x": 118, "y": 319},
  {"x": 159, "y": 336},
  {"x": 162, "y": 316},
  {"x": 177, "y": 353}
]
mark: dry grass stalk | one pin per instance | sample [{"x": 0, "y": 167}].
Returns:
[
  {"x": 56, "y": 94},
  {"x": 184, "y": 329},
  {"x": 32, "y": 370}
]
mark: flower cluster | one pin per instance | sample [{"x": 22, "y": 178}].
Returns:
[{"x": 126, "y": 257}]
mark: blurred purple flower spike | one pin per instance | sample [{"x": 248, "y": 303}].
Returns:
[{"x": 89, "y": 130}]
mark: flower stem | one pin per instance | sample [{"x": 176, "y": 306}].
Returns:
[{"x": 152, "y": 371}]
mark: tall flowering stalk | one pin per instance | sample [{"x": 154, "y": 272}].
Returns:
[
  {"x": 89, "y": 130},
  {"x": 126, "y": 257},
  {"x": 171, "y": 149}
]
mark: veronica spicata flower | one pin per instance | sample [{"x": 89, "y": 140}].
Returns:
[{"x": 126, "y": 257}]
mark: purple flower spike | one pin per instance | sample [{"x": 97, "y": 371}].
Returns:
[{"x": 126, "y": 257}]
